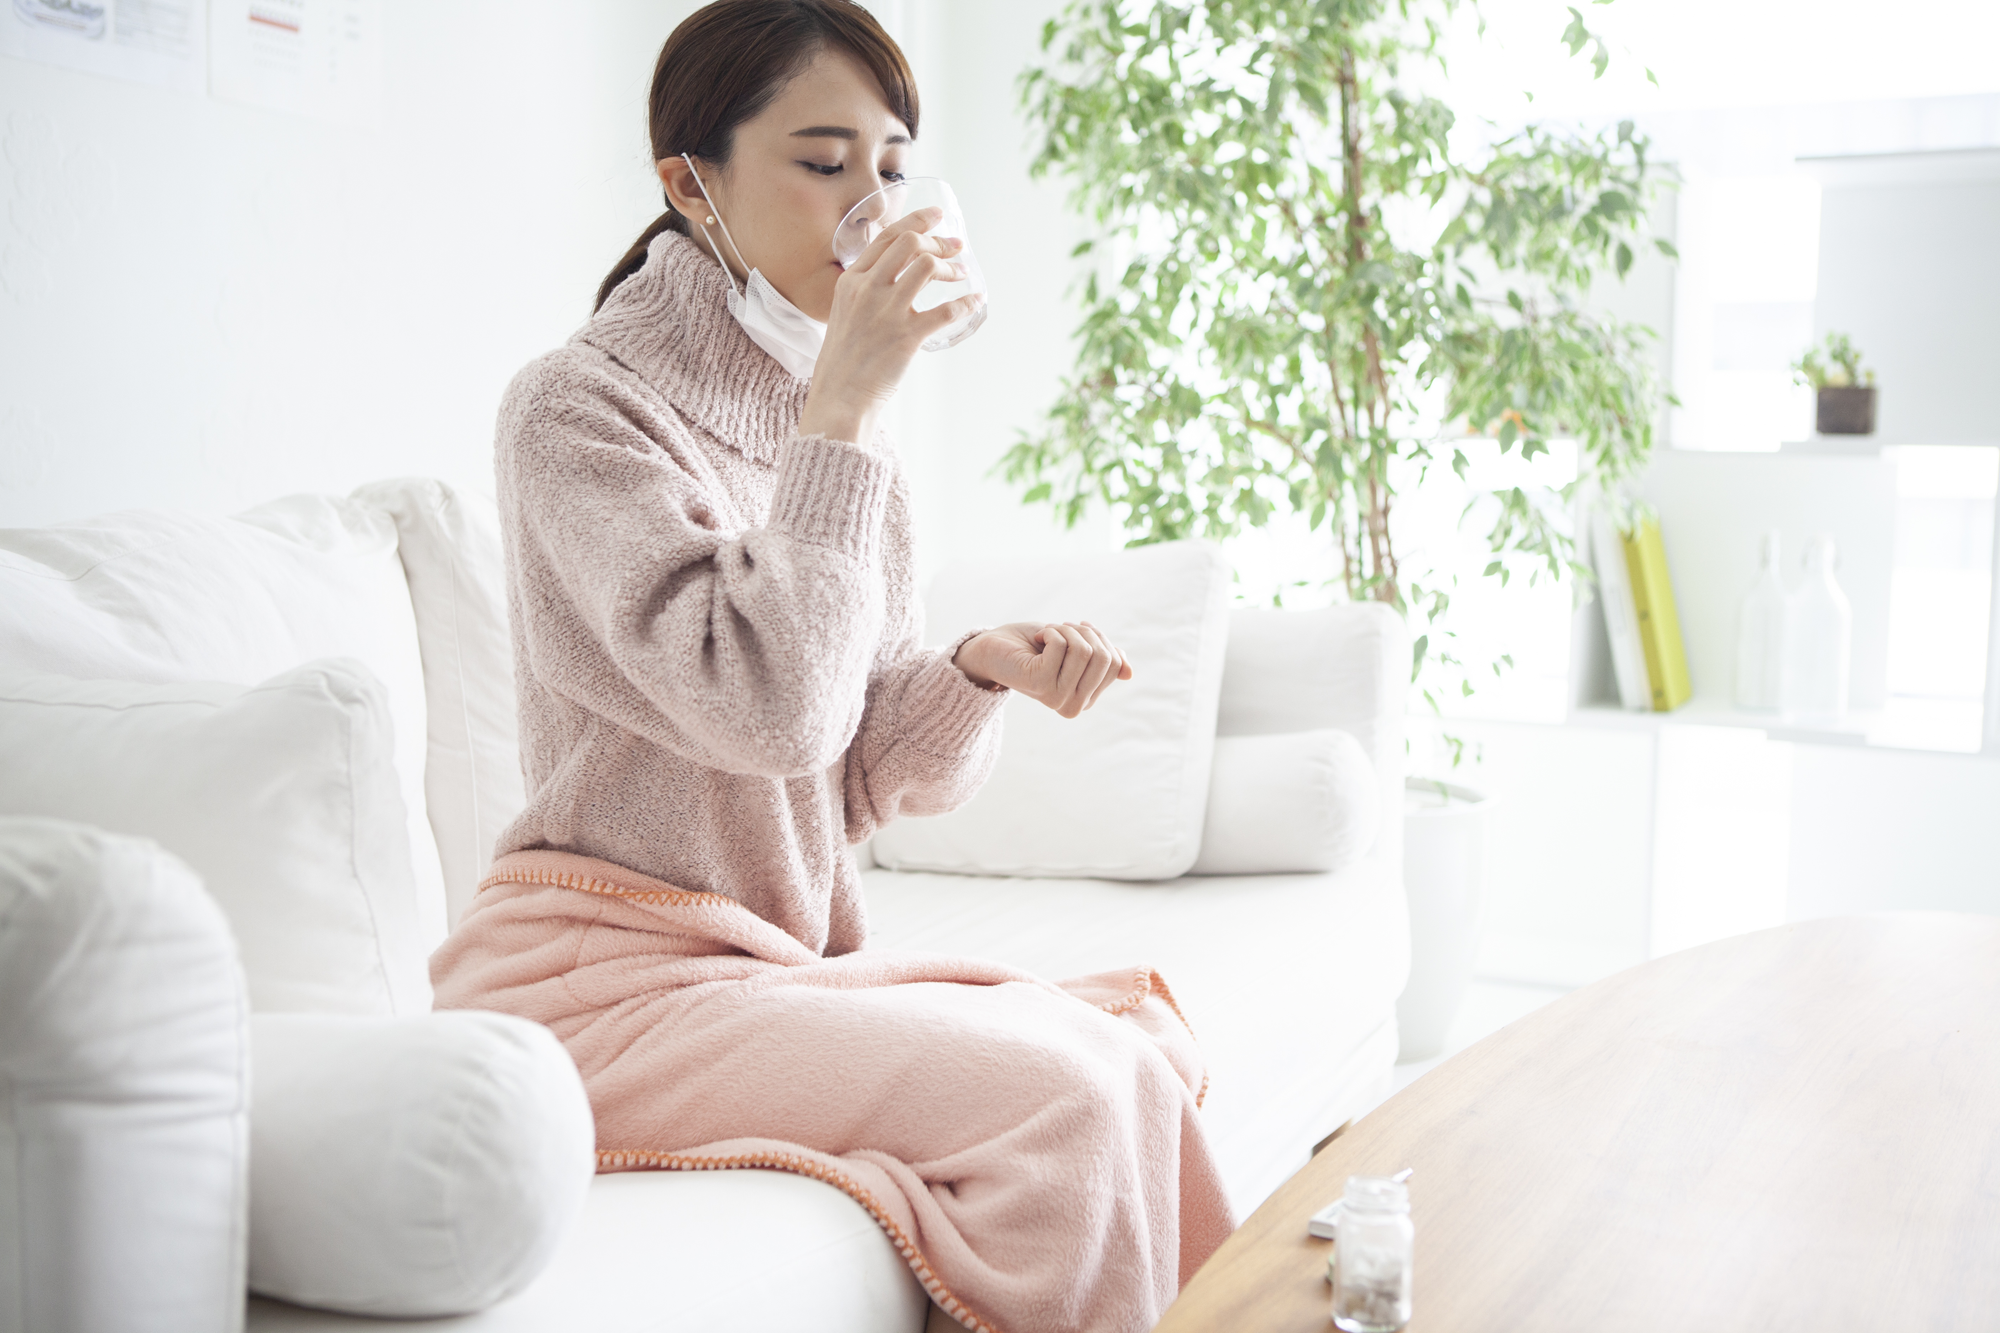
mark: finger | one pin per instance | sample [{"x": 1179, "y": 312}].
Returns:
[
  {"x": 1124, "y": 671},
  {"x": 1104, "y": 669},
  {"x": 918, "y": 268},
  {"x": 919, "y": 222},
  {"x": 894, "y": 257},
  {"x": 948, "y": 314},
  {"x": 1075, "y": 662},
  {"x": 897, "y": 257},
  {"x": 1046, "y": 668},
  {"x": 1103, "y": 661},
  {"x": 926, "y": 269},
  {"x": 1054, "y": 646}
]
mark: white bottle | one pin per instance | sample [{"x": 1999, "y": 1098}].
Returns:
[
  {"x": 1760, "y": 635},
  {"x": 1819, "y": 640}
]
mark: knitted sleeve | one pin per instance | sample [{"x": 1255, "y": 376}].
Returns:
[
  {"x": 749, "y": 652},
  {"x": 928, "y": 739}
]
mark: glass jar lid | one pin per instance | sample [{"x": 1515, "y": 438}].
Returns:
[{"x": 1376, "y": 1194}]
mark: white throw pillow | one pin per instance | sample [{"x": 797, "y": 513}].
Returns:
[
  {"x": 411, "y": 1166},
  {"x": 450, "y": 545},
  {"x": 125, "y": 1059},
  {"x": 1344, "y": 667},
  {"x": 1119, "y": 792},
  {"x": 1296, "y": 801},
  {"x": 163, "y": 596},
  {"x": 282, "y": 797}
]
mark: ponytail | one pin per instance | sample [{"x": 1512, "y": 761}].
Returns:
[
  {"x": 724, "y": 64},
  {"x": 635, "y": 258}
]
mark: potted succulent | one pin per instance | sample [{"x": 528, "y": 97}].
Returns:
[{"x": 1846, "y": 393}]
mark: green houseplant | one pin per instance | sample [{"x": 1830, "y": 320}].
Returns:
[{"x": 1305, "y": 288}]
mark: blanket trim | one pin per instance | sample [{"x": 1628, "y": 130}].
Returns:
[
  {"x": 588, "y": 884},
  {"x": 1147, "y": 982},
  {"x": 627, "y": 1159}
]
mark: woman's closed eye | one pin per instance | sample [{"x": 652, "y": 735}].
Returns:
[{"x": 835, "y": 168}]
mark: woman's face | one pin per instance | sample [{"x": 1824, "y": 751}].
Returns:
[{"x": 827, "y": 141}]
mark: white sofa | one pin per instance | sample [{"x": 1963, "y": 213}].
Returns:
[{"x": 1289, "y": 980}]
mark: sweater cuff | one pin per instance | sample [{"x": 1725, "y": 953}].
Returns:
[
  {"x": 833, "y": 493},
  {"x": 943, "y": 712}
]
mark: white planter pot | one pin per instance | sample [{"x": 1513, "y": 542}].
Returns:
[{"x": 1444, "y": 833}]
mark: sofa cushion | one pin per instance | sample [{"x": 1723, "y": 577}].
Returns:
[
  {"x": 450, "y": 546},
  {"x": 1288, "y": 981},
  {"x": 282, "y": 797},
  {"x": 125, "y": 1059},
  {"x": 1294, "y": 801},
  {"x": 415, "y": 1166},
  {"x": 158, "y": 596},
  {"x": 1120, "y": 791}
]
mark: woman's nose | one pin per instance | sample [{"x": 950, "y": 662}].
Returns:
[
  {"x": 870, "y": 206},
  {"x": 867, "y": 213}
]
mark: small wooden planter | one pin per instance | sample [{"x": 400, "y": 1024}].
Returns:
[{"x": 1846, "y": 410}]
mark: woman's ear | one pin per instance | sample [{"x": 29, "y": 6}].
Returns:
[{"x": 677, "y": 178}]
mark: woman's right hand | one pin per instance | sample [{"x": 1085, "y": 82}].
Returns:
[
  {"x": 872, "y": 332},
  {"x": 1065, "y": 667}
]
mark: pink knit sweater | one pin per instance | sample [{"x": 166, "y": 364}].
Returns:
[{"x": 715, "y": 623}]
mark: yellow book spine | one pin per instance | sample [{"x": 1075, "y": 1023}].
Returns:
[{"x": 1659, "y": 623}]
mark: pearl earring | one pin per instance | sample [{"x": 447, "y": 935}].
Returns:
[{"x": 711, "y": 219}]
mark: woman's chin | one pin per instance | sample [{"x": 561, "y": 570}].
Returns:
[{"x": 820, "y": 307}]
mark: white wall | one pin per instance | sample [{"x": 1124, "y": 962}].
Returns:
[
  {"x": 1909, "y": 270},
  {"x": 966, "y": 406},
  {"x": 206, "y": 304}
]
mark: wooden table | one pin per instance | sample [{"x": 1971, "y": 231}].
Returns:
[{"x": 1796, "y": 1129}]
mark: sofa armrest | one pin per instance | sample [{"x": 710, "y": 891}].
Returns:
[
  {"x": 124, "y": 1055},
  {"x": 1345, "y": 667},
  {"x": 408, "y": 1167}
]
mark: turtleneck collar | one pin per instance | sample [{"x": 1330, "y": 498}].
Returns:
[{"x": 669, "y": 323}]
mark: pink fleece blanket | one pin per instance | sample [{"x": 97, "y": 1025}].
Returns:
[{"x": 1032, "y": 1149}]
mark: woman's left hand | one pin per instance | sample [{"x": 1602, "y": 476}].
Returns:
[{"x": 1066, "y": 666}]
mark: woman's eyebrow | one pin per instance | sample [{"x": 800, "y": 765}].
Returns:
[{"x": 841, "y": 132}]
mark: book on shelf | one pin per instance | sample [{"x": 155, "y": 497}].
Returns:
[
  {"x": 1648, "y": 659},
  {"x": 1621, "y": 618},
  {"x": 1659, "y": 622}
]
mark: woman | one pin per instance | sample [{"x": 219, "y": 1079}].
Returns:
[{"x": 721, "y": 689}]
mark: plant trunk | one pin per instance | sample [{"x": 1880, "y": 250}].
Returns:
[{"x": 1370, "y": 388}]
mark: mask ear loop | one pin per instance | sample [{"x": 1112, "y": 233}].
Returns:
[{"x": 724, "y": 225}]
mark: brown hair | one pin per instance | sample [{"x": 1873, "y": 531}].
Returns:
[{"x": 725, "y": 63}]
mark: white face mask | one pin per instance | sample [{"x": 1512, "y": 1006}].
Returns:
[{"x": 789, "y": 334}]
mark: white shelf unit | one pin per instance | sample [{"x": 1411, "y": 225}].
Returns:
[
  {"x": 1936, "y": 726},
  {"x": 1714, "y": 509}
]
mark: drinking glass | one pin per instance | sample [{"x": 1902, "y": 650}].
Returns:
[{"x": 893, "y": 202}]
